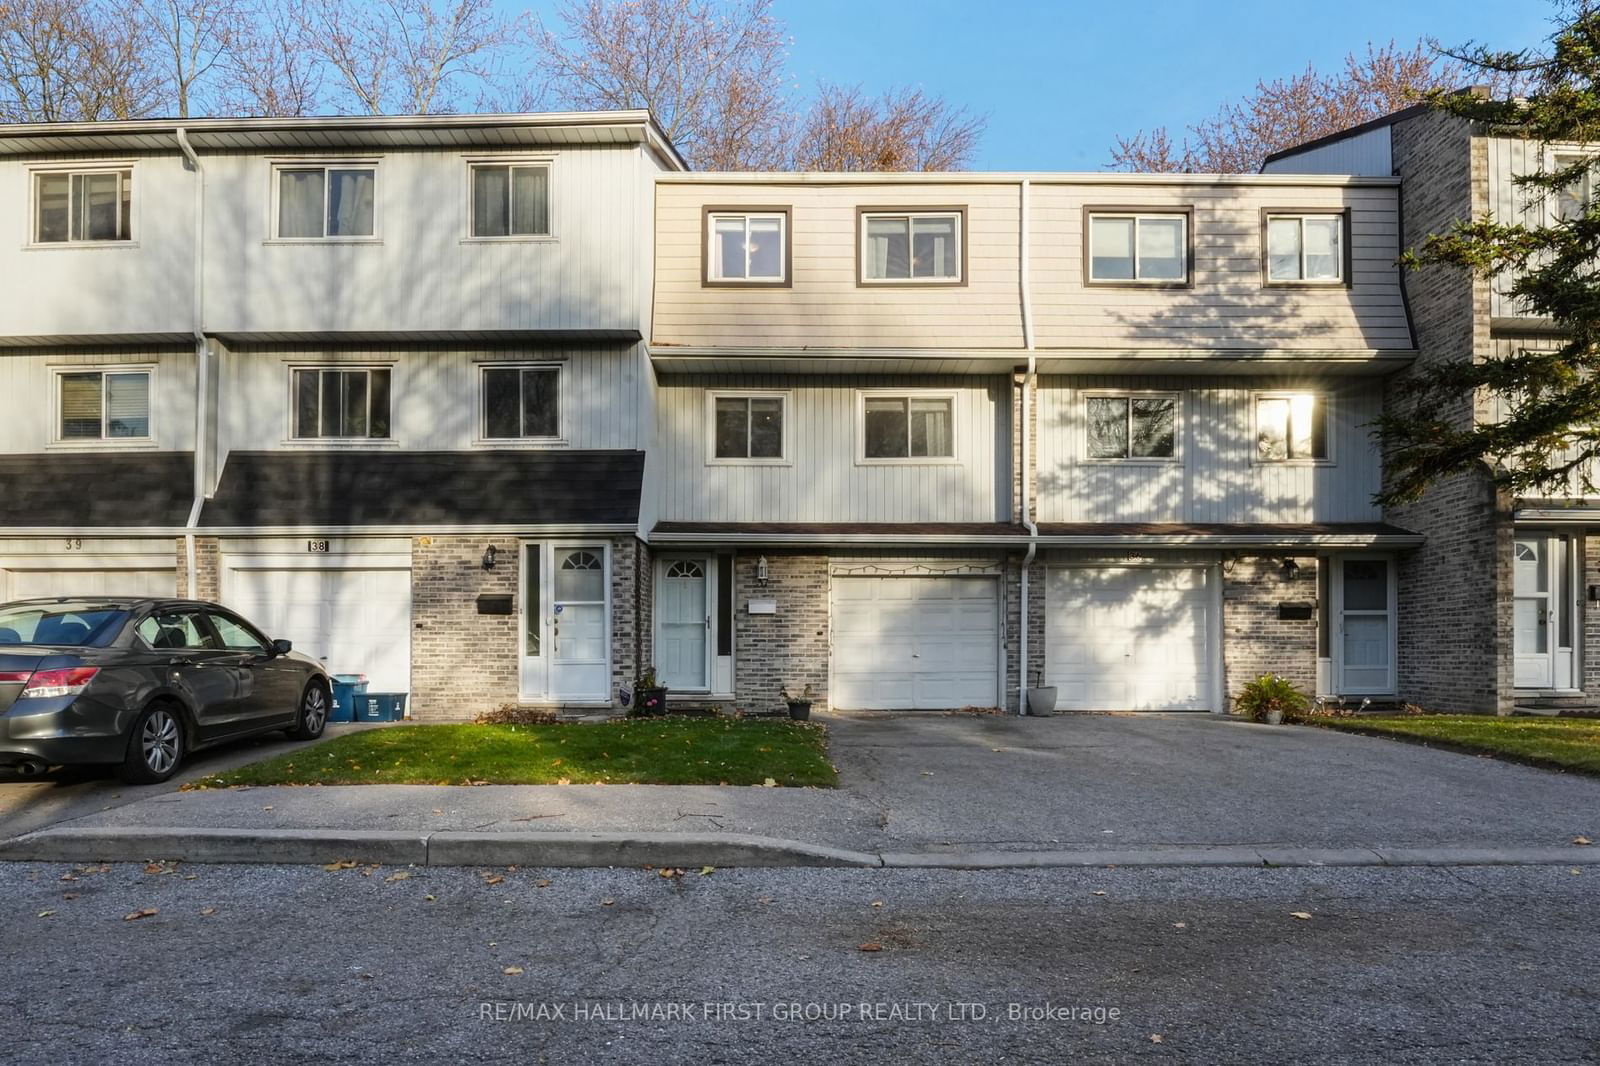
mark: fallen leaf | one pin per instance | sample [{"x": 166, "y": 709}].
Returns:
[
  {"x": 563, "y": 781},
  {"x": 543, "y": 882},
  {"x": 428, "y": 899},
  {"x": 512, "y": 971},
  {"x": 492, "y": 879},
  {"x": 341, "y": 864},
  {"x": 266, "y": 808},
  {"x": 1155, "y": 1038},
  {"x": 68, "y": 877},
  {"x": 997, "y": 749},
  {"x": 147, "y": 912},
  {"x": 1304, "y": 916},
  {"x": 607, "y": 902},
  {"x": 707, "y": 871},
  {"x": 399, "y": 875},
  {"x": 190, "y": 877},
  {"x": 1097, "y": 892},
  {"x": 69, "y": 895},
  {"x": 1582, "y": 841},
  {"x": 156, "y": 868},
  {"x": 436, "y": 810},
  {"x": 1184, "y": 925},
  {"x": 1574, "y": 871},
  {"x": 927, "y": 773},
  {"x": 206, "y": 912},
  {"x": 877, "y": 903},
  {"x": 46, "y": 914},
  {"x": 871, "y": 945},
  {"x": 664, "y": 872}
]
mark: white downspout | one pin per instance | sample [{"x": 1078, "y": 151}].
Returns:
[
  {"x": 201, "y": 362},
  {"x": 1027, "y": 448}
]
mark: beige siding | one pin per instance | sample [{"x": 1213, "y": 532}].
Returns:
[
  {"x": 1509, "y": 157},
  {"x": 825, "y": 308},
  {"x": 1493, "y": 408},
  {"x": 1215, "y": 478},
  {"x": 30, "y": 424},
  {"x": 824, "y": 481}
]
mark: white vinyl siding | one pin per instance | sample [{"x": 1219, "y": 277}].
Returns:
[
  {"x": 747, "y": 247},
  {"x": 332, "y": 202},
  {"x": 82, "y": 206},
  {"x": 107, "y": 405}
]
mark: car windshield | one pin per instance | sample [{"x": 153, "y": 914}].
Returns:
[{"x": 70, "y": 624}]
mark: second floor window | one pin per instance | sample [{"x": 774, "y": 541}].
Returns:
[
  {"x": 349, "y": 403},
  {"x": 103, "y": 405},
  {"x": 1139, "y": 248},
  {"x": 748, "y": 427},
  {"x": 510, "y": 201},
  {"x": 1133, "y": 427},
  {"x": 83, "y": 208},
  {"x": 326, "y": 202},
  {"x": 921, "y": 247},
  {"x": 1572, "y": 199},
  {"x": 521, "y": 402},
  {"x": 907, "y": 427},
  {"x": 747, "y": 247},
  {"x": 1307, "y": 248},
  {"x": 1291, "y": 426}
]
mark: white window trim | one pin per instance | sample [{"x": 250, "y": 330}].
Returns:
[
  {"x": 1138, "y": 218},
  {"x": 1557, "y": 158},
  {"x": 911, "y": 216},
  {"x": 545, "y": 160},
  {"x": 1328, "y": 406},
  {"x": 274, "y": 188},
  {"x": 1175, "y": 459},
  {"x": 782, "y": 219},
  {"x": 103, "y": 442},
  {"x": 32, "y": 243},
  {"x": 292, "y": 441},
  {"x": 862, "y": 459},
  {"x": 481, "y": 438},
  {"x": 713, "y": 395},
  {"x": 1301, "y": 216}
]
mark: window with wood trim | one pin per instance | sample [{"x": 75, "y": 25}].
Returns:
[
  {"x": 1305, "y": 248},
  {"x": 1139, "y": 247},
  {"x": 911, "y": 247},
  {"x": 747, "y": 247}
]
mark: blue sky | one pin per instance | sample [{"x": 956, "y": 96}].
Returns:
[{"x": 1060, "y": 80}]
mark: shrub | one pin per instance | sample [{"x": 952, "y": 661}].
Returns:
[
  {"x": 511, "y": 714},
  {"x": 1267, "y": 693}
]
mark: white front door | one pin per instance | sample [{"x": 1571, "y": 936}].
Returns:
[
  {"x": 1542, "y": 611},
  {"x": 683, "y": 623},
  {"x": 566, "y": 622},
  {"x": 1363, "y": 596}
]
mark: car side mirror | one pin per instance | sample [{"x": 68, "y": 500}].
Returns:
[{"x": 281, "y": 647}]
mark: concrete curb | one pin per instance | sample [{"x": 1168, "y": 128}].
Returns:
[{"x": 729, "y": 850}]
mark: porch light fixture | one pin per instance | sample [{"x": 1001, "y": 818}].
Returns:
[
  {"x": 1291, "y": 569},
  {"x": 761, "y": 571},
  {"x": 488, "y": 557}
]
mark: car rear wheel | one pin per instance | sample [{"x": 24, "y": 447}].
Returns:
[
  {"x": 156, "y": 749},
  {"x": 313, "y": 713}
]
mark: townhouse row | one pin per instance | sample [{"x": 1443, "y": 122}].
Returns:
[{"x": 505, "y": 409}]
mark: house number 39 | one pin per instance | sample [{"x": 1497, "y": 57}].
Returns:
[{"x": 74, "y": 544}]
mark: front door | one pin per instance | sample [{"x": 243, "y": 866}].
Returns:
[
  {"x": 1542, "y": 611},
  {"x": 683, "y": 621},
  {"x": 1364, "y": 613},
  {"x": 564, "y": 620}
]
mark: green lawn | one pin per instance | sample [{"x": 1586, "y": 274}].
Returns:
[
  {"x": 1558, "y": 743},
  {"x": 679, "y": 751}
]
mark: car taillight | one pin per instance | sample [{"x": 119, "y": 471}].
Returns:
[
  {"x": 49, "y": 684},
  {"x": 12, "y": 677}
]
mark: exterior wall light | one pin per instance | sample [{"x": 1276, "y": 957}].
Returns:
[
  {"x": 761, "y": 571},
  {"x": 488, "y": 557},
  {"x": 1291, "y": 569}
]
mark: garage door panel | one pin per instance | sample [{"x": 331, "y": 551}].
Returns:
[
  {"x": 31, "y": 584},
  {"x": 915, "y": 642},
  {"x": 354, "y": 620}
]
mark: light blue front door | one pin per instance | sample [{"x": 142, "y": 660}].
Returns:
[{"x": 682, "y": 625}]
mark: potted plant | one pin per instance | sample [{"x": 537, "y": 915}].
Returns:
[
  {"x": 800, "y": 705},
  {"x": 649, "y": 694},
  {"x": 1270, "y": 698}
]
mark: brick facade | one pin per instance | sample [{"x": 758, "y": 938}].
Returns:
[
  {"x": 789, "y": 648},
  {"x": 207, "y": 569},
  {"x": 1255, "y": 640}
]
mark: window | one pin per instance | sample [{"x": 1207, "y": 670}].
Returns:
[
  {"x": 1306, "y": 248},
  {"x": 326, "y": 202},
  {"x": 1291, "y": 426},
  {"x": 747, "y": 248},
  {"x": 907, "y": 427},
  {"x": 75, "y": 624},
  {"x": 1151, "y": 248},
  {"x": 747, "y": 427},
  {"x": 1133, "y": 427},
  {"x": 1572, "y": 199},
  {"x": 103, "y": 405},
  {"x": 510, "y": 200},
  {"x": 166, "y": 630},
  {"x": 236, "y": 636},
  {"x": 921, "y": 247},
  {"x": 340, "y": 402},
  {"x": 521, "y": 402},
  {"x": 83, "y": 207}
]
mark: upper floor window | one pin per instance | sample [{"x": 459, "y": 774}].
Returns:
[
  {"x": 103, "y": 405},
  {"x": 1138, "y": 247},
  {"x": 1291, "y": 426},
  {"x": 1132, "y": 427},
  {"x": 510, "y": 200},
  {"x": 521, "y": 402},
  {"x": 1305, "y": 248},
  {"x": 350, "y": 403},
  {"x": 1572, "y": 199},
  {"x": 921, "y": 246},
  {"x": 748, "y": 427},
  {"x": 748, "y": 247},
  {"x": 912, "y": 427},
  {"x": 83, "y": 207},
  {"x": 326, "y": 202}
]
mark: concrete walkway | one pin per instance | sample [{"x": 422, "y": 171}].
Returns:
[{"x": 952, "y": 790}]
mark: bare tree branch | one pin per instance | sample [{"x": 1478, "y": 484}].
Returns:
[
  {"x": 903, "y": 130},
  {"x": 272, "y": 70},
  {"x": 69, "y": 60}
]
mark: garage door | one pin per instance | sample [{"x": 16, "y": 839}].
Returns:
[
  {"x": 27, "y": 584},
  {"x": 1129, "y": 639},
  {"x": 926, "y": 643},
  {"x": 357, "y": 621}
]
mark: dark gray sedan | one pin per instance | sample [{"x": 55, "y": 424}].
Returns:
[{"x": 140, "y": 683}]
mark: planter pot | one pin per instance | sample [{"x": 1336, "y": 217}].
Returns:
[
  {"x": 800, "y": 710},
  {"x": 1042, "y": 701},
  {"x": 650, "y": 701},
  {"x": 1275, "y": 716}
]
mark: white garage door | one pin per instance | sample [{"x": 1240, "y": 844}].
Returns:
[
  {"x": 1129, "y": 639},
  {"x": 925, "y": 643},
  {"x": 27, "y": 584},
  {"x": 357, "y": 621}
]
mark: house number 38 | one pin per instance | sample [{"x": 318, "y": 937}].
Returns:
[{"x": 316, "y": 545}]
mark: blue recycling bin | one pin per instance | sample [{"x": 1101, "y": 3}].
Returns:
[
  {"x": 348, "y": 692},
  {"x": 381, "y": 707}
]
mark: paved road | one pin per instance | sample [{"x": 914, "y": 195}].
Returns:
[{"x": 297, "y": 964}]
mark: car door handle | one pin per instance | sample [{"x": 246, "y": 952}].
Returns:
[{"x": 183, "y": 662}]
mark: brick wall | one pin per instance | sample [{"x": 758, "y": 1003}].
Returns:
[
  {"x": 208, "y": 569},
  {"x": 629, "y": 604},
  {"x": 1589, "y": 564},
  {"x": 1255, "y": 640},
  {"x": 789, "y": 647},
  {"x": 1012, "y": 581}
]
